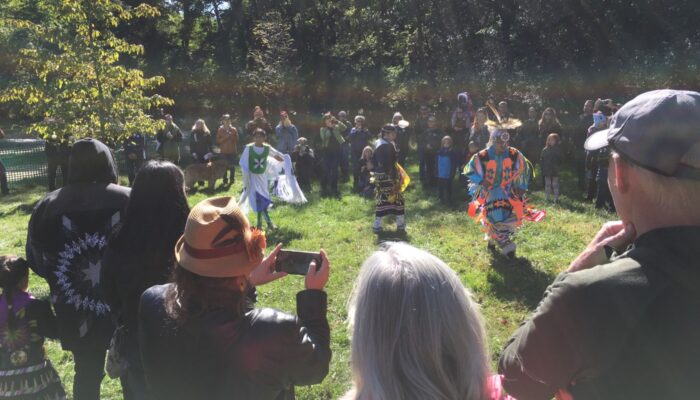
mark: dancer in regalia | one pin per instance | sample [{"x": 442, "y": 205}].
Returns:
[
  {"x": 499, "y": 177},
  {"x": 390, "y": 181}
]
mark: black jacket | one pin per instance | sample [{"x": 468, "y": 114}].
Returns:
[
  {"x": 200, "y": 145},
  {"x": 261, "y": 355},
  {"x": 623, "y": 330},
  {"x": 67, "y": 234}
]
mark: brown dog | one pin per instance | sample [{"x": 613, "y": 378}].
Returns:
[{"x": 208, "y": 172}]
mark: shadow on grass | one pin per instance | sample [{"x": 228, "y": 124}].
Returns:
[
  {"x": 25, "y": 209},
  {"x": 282, "y": 235},
  {"x": 515, "y": 279},
  {"x": 393, "y": 236}
]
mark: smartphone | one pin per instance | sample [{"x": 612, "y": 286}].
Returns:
[{"x": 296, "y": 262}]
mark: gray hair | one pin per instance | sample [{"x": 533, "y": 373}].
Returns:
[
  {"x": 359, "y": 118},
  {"x": 417, "y": 334}
]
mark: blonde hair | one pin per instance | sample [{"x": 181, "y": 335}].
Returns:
[
  {"x": 204, "y": 125},
  {"x": 366, "y": 149},
  {"x": 416, "y": 333}
]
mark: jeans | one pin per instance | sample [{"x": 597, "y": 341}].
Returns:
[
  {"x": 445, "y": 189},
  {"x": 231, "y": 160},
  {"x": 329, "y": 183},
  {"x": 89, "y": 372},
  {"x": 134, "y": 383},
  {"x": 344, "y": 162},
  {"x": 3, "y": 179}
]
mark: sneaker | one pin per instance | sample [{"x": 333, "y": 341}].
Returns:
[{"x": 508, "y": 249}]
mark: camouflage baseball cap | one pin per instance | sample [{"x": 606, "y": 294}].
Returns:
[{"x": 657, "y": 130}]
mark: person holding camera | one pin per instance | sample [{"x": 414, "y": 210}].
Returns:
[
  {"x": 258, "y": 122},
  {"x": 331, "y": 137},
  {"x": 201, "y": 337}
]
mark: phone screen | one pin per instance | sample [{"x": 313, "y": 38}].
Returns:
[{"x": 296, "y": 262}]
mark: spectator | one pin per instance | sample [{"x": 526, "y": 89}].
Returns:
[
  {"x": 135, "y": 154},
  {"x": 57, "y": 154},
  {"x": 529, "y": 136},
  {"x": 25, "y": 322},
  {"x": 169, "y": 139},
  {"x": 287, "y": 134},
  {"x": 551, "y": 162},
  {"x": 503, "y": 110},
  {"x": 359, "y": 138},
  {"x": 366, "y": 164},
  {"x": 460, "y": 136},
  {"x": 458, "y": 116},
  {"x": 416, "y": 332},
  {"x": 65, "y": 239},
  {"x": 402, "y": 137},
  {"x": 430, "y": 144},
  {"x": 258, "y": 121},
  {"x": 345, "y": 147},
  {"x": 585, "y": 120},
  {"x": 200, "y": 336},
  {"x": 331, "y": 136},
  {"x": 599, "y": 123},
  {"x": 200, "y": 142},
  {"x": 448, "y": 160},
  {"x": 140, "y": 254},
  {"x": 4, "y": 190},
  {"x": 624, "y": 324},
  {"x": 390, "y": 181},
  {"x": 227, "y": 139},
  {"x": 549, "y": 123},
  {"x": 421, "y": 122},
  {"x": 304, "y": 159},
  {"x": 479, "y": 132}
]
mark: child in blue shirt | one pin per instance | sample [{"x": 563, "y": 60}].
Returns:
[{"x": 448, "y": 160}]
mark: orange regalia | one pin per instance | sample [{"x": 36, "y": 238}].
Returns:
[{"x": 497, "y": 184}]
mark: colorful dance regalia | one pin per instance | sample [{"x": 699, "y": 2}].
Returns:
[
  {"x": 497, "y": 185},
  {"x": 25, "y": 373},
  {"x": 390, "y": 181}
]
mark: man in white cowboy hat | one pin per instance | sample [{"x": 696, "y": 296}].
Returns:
[
  {"x": 622, "y": 322},
  {"x": 200, "y": 336}
]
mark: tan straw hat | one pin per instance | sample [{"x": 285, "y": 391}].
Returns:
[{"x": 218, "y": 241}]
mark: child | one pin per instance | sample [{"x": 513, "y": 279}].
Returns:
[
  {"x": 550, "y": 163},
  {"x": 447, "y": 164},
  {"x": 25, "y": 372},
  {"x": 304, "y": 159},
  {"x": 366, "y": 166},
  {"x": 254, "y": 166}
]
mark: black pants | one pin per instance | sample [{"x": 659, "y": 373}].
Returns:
[
  {"x": 133, "y": 167},
  {"x": 356, "y": 167},
  {"x": 430, "y": 160},
  {"x": 403, "y": 150},
  {"x": 3, "y": 179},
  {"x": 580, "y": 168},
  {"x": 445, "y": 189},
  {"x": 89, "y": 371},
  {"x": 53, "y": 163},
  {"x": 604, "y": 197},
  {"x": 331, "y": 163}
]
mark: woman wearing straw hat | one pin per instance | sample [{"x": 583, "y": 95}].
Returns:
[{"x": 200, "y": 336}]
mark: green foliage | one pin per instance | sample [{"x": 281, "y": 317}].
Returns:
[{"x": 68, "y": 78}]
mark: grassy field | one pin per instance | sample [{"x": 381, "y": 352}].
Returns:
[{"x": 507, "y": 289}]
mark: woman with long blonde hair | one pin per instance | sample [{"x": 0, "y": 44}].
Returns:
[{"x": 416, "y": 332}]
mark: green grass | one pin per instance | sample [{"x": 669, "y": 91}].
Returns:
[{"x": 506, "y": 289}]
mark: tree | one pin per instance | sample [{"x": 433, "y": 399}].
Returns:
[
  {"x": 68, "y": 78},
  {"x": 272, "y": 66}
]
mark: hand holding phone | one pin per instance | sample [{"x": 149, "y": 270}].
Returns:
[{"x": 296, "y": 262}]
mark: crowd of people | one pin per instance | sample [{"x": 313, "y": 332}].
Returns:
[{"x": 167, "y": 293}]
